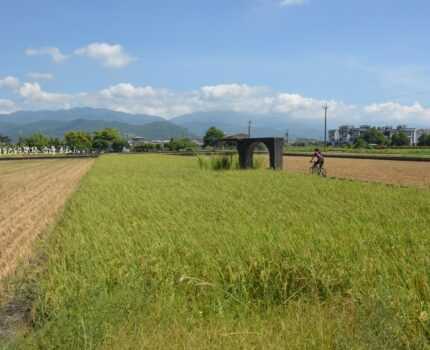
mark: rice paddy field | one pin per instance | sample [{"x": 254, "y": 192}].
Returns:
[
  {"x": 151, "y": 252},
  {"x": 407, "y": 173}
]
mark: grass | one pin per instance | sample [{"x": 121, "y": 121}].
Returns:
[
  {"x": 153, "y": 253},
  {"x": 228, "y": 162}
]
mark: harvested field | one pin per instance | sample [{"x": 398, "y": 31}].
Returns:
[
  {"x": 390, "y": 172},
  {"x": 32, "y": 193}
]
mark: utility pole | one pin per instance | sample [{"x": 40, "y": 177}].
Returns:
[
  {"x": 286, "y": 137},
  {"x": 249, "y": 129},
  {"x": 325, "y": 107}
]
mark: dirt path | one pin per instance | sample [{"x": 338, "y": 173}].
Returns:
[
  {"x": 32, "y": 193},
  {"x": 391, "y": 172}
]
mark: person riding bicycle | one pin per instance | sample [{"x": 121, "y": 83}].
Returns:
[{"x": 317, "y": 159}]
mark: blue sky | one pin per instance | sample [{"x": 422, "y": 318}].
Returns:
[{"x": 368, "y": 59}]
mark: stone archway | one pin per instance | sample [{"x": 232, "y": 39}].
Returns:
[{"x": 246, "y": 147}]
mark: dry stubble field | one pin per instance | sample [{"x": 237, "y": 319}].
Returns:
[
  {"x": 387, "y": 171},
  {"x": 32, "y": 193}
]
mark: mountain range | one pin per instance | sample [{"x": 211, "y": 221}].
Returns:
[
  {"x": 262, "y": 125},
  {"x": 56, "y": 123}
]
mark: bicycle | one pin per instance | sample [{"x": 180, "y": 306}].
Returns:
[{"x": 318, "y": 170}]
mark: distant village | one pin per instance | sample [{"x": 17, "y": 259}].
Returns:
[
  {"x": 348, "y": 134},
  {"x": 84, "y": 143}
]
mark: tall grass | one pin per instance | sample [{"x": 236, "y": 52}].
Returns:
[
  {"x": 153, "y": 253},
  {"x": 227, "y": 162}
]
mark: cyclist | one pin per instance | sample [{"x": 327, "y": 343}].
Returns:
[{"x": 317, "y": 159}]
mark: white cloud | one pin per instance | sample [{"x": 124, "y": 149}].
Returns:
[
  {"x": 55, "y": 53},
  {"x": 287, "y": 103},
  {"x": 285, "y": 3},
  {"x": 33, "y": 93},
  {"x": 112, "y": 56},
  {"x": 128, "y": 90},
  {"x": 244, "y": 98},
  {"x": 396, "y": 112},
  {"x": 229, "y": 91},
  {"x": 40, "y": 76},
  {"x": 126, "y": 97},
  {"x": 7, "y": 106},
  {"x": 10, "y": 82},
  {"x": 249, "y": 99}
]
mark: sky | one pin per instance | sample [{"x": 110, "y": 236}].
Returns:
[{"x": 368, "y": 60}]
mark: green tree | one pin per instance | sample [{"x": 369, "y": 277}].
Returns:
[
  {"x": 424, "y": 140},
  {"x": 109, "y": 139},
  {"x": 374, "y": 136},
  {"x": 35, "y": 140},
  {"x": 100, "y": 145},
  {"x": 360, "y": 143},
  {"x": 212, "y": 137},
  {"x": 400, "y": 139},
  {"x": 180, "y": 144},
  {"x": 78, "y": 140},
  {"x": 119, "y": 145},
  {"x": 108, "y": 134},
  {"x": 56, "y": 142}
]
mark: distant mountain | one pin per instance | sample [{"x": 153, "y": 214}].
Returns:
[
  {"x": 57, "y": 122},
  {"x": 95, "y": 114},
  {"x": 54, "y": 128},
  {"x": 263, "y": 125}
]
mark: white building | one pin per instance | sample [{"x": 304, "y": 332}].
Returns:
[{"x": 348, "y": 134}]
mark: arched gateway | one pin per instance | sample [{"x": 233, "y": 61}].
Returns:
[{"x": 246, "y": 147}]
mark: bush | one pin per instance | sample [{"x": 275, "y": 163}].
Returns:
[
  {"x": 176, "y": 145},
  {"x": 400, "y": 139},
  {"x": 360, "y": 143},
  {"x": 424, "y": 140}
]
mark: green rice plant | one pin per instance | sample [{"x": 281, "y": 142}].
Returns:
[
  {"x": 152, "y": 253},
  {"x": 227, "y": 162},
  {"x": 260, "y": 162},
  {"x": 203, "y": 162}
]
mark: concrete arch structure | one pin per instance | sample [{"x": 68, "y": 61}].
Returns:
[{"x": 246, "y": 147}]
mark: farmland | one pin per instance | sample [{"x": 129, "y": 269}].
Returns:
[
  {"x": 31, "y": 195},
  {"x": 153, "y": 252},
  {"x": 406, "y": 173}
]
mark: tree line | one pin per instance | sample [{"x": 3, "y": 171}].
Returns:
[
  {"x": 108, "y": 139},
  {"x": 373, "y": 136},
  {"x": 211, "y": 139}
]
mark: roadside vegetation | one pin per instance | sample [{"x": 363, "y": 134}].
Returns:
[{"x": 153, "y": 253}]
